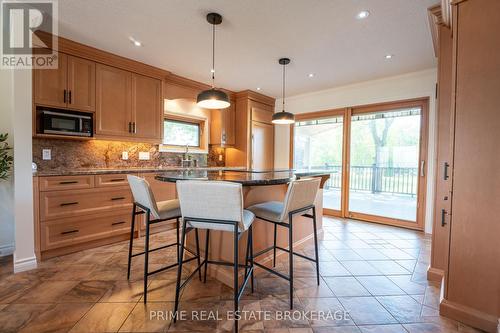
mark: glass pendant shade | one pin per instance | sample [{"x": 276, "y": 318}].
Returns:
[
  {"x": 283, "y": 118},
  {"x": 213, "y": 99}
]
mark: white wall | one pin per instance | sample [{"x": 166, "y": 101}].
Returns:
[
  {"x": 6, "y": 187},
  {"x": 411, "y": 85}
]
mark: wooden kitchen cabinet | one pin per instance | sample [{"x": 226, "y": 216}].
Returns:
[
  {"x": 128, "y": 105},
  {"x": 50, "y": 85},
  {"x": 254, "y": 132},
  {"x": 70, "y": 86},
  {"x": 222, "y": 126},
  {"x": 114, "y": 102},
  {"x": 146, "y": 107}
]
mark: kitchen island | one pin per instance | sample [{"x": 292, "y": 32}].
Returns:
[{"x": 258, "y": 186}]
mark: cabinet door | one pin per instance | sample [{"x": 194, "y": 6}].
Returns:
[
  {"x": 222, "y": 126},
  {"x": 229, "y": 115},
  {"x": 50, "y": 84},
  {"x": 113, "y": 101},
  {"x": 146, "y": 107},
  {"x": 81, "y": 84},
  {"x": 262, "y": 146}
]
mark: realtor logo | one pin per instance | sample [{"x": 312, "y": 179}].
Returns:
[{"x": 21, "y": 47}]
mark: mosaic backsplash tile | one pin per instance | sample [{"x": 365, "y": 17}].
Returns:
[{"x": 71, "y": 154}]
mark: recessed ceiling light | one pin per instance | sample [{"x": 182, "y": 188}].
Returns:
[
  {"x": 388, "y": 56},
  {"x": 135, "y": 42},
  {"x": 363, "y": 14},
  {"x": 311, "y": 75},
  {"x": 258, "y": 88}
]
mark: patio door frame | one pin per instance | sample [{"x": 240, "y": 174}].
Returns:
[{"x": 346, "y": 113}]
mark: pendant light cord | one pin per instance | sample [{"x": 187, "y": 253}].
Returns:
[
  {"x": 283, "y": 93},
  {"x": 213, "y": 55}
]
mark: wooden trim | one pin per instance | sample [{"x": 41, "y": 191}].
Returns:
[
  {"x": 384, "y": 220},
  {"x": 468, "y": 316},
  {"x": 435, "y": 274},
  {"x": 346, "y": 162},
  {"x": 332, "y": 212},
  {"x": 435, "y": 19},
  {"x": 256, "y": 97},
  {"x": 36, "y": 217},
  {"x": 88, "y": 52},
  {"x": 390, "y": 106}
]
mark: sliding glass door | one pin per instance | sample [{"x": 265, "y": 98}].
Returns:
[
  {"x": 384, "y": 147},
  {"x": 318, "y": 145}
]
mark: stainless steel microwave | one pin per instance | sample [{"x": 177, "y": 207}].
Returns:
[{"x": 61, "y": 122}]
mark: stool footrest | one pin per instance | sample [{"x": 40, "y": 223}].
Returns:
[
  {"x": 296, "y": 254},
  {"x": 272, "y": 271}
]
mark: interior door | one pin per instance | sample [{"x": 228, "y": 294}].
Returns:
[
  {"x": 81, "y": 84},
  {"x": 146, "y": 107},
  {"x": 113, "y": 98},
  {"x": 262, "y": 146},
  {"x": 50, "y": 84}
]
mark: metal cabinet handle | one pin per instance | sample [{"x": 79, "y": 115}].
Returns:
[
  {"x": 422, "y": 168},
  {"x": 69, "y": 232},
  {"x": 445, "y": 172},
  {"x": 134, "y": 127},
  {"x": 130, "y": 127},
  {"x": 64, "y": 96},
  {"x": 117, "y": 180},
  {"x": 117, "y": 223},
  {"x": 117, "y": 198},
  {"x": 69, "y": 203},
  {"x": 443, "y": 217},
  {"x": 68, "y": 182}
]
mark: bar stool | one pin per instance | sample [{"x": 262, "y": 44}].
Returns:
[
  {"x": 215, "y": 205},
  {"x": 145, "y": 203},
  {"x": 299, "y": 199}
]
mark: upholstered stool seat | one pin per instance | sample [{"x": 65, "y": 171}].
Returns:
[{"x": 169, "y": 209}]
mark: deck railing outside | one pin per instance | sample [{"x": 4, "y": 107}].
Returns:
[{"x": 375, "y": 179}]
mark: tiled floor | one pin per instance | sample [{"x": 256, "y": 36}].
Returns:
[{"x": 376, "y": 273}]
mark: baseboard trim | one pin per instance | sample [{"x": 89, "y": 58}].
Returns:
[
  {"x": 25, "y": 264},
  {"x": 435, "y": 274},
  {"x": 468, "y": 316},
  {"x": 6, "y": 250}
]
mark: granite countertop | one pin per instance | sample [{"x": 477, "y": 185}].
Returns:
[
  {"x": 74, "y": 172},
  {"x": 246, "y": 177}
]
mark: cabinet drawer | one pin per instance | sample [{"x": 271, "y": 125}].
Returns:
[
  {"x": 60, "y": 204},
  {"x": 111, "y": 180},
  {"x": 56, "y": 183},
  {"x": 261, "y": 115},
  {"x": 66, "y": 232}
]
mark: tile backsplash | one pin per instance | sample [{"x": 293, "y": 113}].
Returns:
[{"x": 98, "y": 154}]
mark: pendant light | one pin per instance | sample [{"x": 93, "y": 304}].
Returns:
[
  {"x": 283, "y": 117},
  {"x": 213, "y": 98}
]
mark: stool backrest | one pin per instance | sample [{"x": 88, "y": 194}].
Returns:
[
  {"x": 143, "y": 195},
  {"x": 300, "y": 194},
  {"x": 213, "y": 200}
]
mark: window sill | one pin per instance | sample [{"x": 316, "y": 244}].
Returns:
[{"x": 181, "y": 150}]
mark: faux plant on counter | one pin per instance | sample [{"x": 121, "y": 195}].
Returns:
[{"x": 6, "y": 158}]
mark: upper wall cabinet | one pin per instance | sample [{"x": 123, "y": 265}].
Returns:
[
  {"x": 71, "y": 85},
  {"x": 222, "y": 126},
  {"x": 128, "y": 105}
]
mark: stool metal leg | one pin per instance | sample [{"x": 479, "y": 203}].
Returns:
[
  {"x": 177, "y": 236},
  {"x": 250, "y": 231},
  {"x": 146, "y": 257},
  {"x": 274, "y": 244},
  {"x": 207, "y": 241},
  {"x": 316, "y": 244},
  {"x": 236, "y": 277},
  {"x": 131, "y": 244},
  {"x": 179, "y": 270},
  {"x": 290, "y": 256},
  {"x": 198, "y": 251}
]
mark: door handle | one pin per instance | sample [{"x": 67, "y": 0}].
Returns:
[
  {"x": 64, "y": 96},
  {"x": 69, "y": 232},
  {"x": 443, "y": 217},
  {"x": 117, "y": 198},
  {"x": 445, "y": 172},
  {"x": 69, "y": 203},
  {"x": 134, "y": 127},
  {"x": 130, "y": 127},
  {"x": 117, "y": 223},
  {"x": 422, "y": 168},
  {"x": 69, "y": 182}
]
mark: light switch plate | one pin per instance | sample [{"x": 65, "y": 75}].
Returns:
[
  {"x": 144, "y": 155},
  {"x": 125, "y": 155},
  {"x": 46, "y": 154}
]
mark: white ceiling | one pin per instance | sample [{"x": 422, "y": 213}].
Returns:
[{"x": 320, "y": 36}]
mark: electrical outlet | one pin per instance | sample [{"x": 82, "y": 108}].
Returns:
[
  {"x": 220, "y": 157},
  {"x": 46, "y": 154},
  {"x": 144, "y": 155},
  {"x": 124, "y": 155}
]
